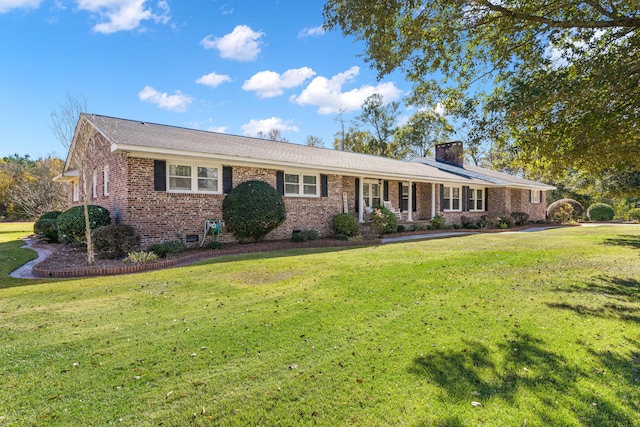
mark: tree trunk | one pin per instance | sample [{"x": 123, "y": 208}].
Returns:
[{"x": 87, "y": 225}]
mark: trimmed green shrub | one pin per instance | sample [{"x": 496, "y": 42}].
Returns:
[
  {"x": 634, "y": 214},
  {"x": 299, "y": 236},
  {"x": 115, "y": 241},
  {"x": 384, "y": 221},
  {"x": 468, "y": 221},
  {"x": 472, "y": 226},
  {"x": 71, "y": 225},
  {"x": 215, "y": 245},
  {"x": 47, "y": 226},
  {"x": 312, "y": 234},
  {"x": 600, "y": 212},
  {"x": 577, "y": 212},
  {"x": 346, "y": 224},
  {"x": 341, "y": 237},
  {"x": 420, "y": 226},
  {"x": 520, "y": 218},
  {"x": 401, "y": 228},
  {"x": 252, "y": 210},
  {"x": 438, "y": 222},
  {"x": 166, "y": 248}
]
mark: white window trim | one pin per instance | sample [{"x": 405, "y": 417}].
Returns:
[
  {"x": 535, "y": 197},
  {"x": 476, "y": 199},
  {"x": 301, "y": 176},
  {"x": 75, "y": 191},
  {"x": 105, "y": 180},
  {"x": 452, "y": 199},
  {"x": 94, "y": 185},
  {"x": 194, "y": 177}
]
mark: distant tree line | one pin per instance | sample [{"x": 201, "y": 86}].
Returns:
[{"x": 27, "y": 189}]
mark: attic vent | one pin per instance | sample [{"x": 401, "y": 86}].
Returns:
[{"x": 143, "y": 123}]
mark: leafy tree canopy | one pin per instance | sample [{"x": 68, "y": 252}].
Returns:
[{"x": 565, "y": 75}]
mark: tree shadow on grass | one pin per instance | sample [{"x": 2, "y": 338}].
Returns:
[
  {"x": 523, "y": 364},
  {"x": 624, "y": 240},
  {"x": 615, "y": 295}
]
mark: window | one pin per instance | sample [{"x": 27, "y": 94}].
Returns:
[
  {"x": 105, "y": 180},
  {"x": 94, "y": 186},
  {"x": 193, "y": 178},
  {"x": 75, "y": 191},
  {"x": 534, "y": 196},
  {"x": 405, "y": 197},
  {"x": 371, "y": 194},
  {"x": 475, "y": 199},
  {"x": 300, "y": 185},
  {"x": 451, "y": 198}
]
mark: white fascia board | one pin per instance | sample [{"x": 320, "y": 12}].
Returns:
[{"x": 170, "y": 154}]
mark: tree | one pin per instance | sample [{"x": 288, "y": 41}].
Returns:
[
  {"x": 38, "y": 192},
  {"x": 87, "y": 151},
  {"x": 554, "y": 69},
  {"x": 422, "y": 132},
  {"x": 314, "y": 141},
  {"x": 355, "y": 141},
  {"x": 273, "y": 135},
  {"x": 382, "y": 121}
]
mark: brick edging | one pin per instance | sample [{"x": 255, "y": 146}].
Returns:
[{"x": 206, "y": 254}]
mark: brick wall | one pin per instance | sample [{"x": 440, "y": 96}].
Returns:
[{"x": 520, "y": 202}]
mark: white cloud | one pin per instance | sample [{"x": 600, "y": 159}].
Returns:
[
  {"x": 254, "y": 127},
  {"x": 268, "y": 84},
  {"x": 311, "y": 32},
  {"x": 123, "y": 15},
  {"x": 213, "y": 79},
  {"x": 7, "y": 5},
  {"x": 178, "y": 102},
  {"x": 242, "y": 44},
  {"x": 327, "y": 94}
]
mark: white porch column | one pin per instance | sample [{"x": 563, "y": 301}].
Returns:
[
  {"x": 410, "y": 210},
  {"x": 361, "y": 201},
  {"x": 433, "y": 200}
]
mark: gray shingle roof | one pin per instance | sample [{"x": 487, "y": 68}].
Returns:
[
  {"x": 488, "y": 175},
  {"x": 155, "y": 139}
]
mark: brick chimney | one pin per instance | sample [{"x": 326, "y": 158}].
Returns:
[{"x": 450, "y": 153}]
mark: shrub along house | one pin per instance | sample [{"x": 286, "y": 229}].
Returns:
[{"x": 166, "y": 181}]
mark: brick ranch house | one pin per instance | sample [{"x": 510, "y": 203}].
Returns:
[{"x": 166, "y": 181}]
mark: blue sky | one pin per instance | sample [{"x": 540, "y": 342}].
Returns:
[{"x": 230, "y": 66}]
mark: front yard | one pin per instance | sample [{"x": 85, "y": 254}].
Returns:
[{"x": 531, "y": 329}]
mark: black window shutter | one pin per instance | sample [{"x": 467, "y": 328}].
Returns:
[
  {"x": 159, "y": 175},
  {"x": 486, "y": 199},
  {"x": 227, "y": 179},
  {"x": 441, "y": 197},
  {"x": 540, "y": 197},
  {"x": 400, "y": 205},
  {"x": 465, "y": 198},
  {"x": 280, "y": 182},
  {"x": 385, "y": 190},
  {"x": 357, "y": 204},
  {"x": 324, "y": 186},
  {"x": 414, "y": 197},
  {"x": 530, "y": 196}
]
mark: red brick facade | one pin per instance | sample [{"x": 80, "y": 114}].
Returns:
[{"x": 161, "y": 216}]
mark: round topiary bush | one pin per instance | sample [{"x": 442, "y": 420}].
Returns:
[
  {"x": 634, "y": 214},
  {"x": 115, "y": 241},
  {"x": 252, "y": 210},
  {"x": 558, "y": 210},
  {"x": 600, "y": 212},
  {"x": 346, "y": 225},
  {"x": 47, "y": 225},
  {"x": 71, "y": 225}
]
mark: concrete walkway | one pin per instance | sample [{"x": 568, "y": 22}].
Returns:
[{"x": 25, "y": 272}]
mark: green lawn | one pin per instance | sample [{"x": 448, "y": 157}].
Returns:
[{"x": 492, "y": 330}]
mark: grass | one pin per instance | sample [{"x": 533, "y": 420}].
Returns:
[
  {"x": 538, "y": 328},
  {"x": 11, "y": 255}
]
